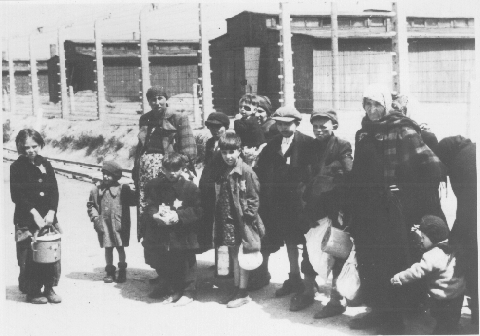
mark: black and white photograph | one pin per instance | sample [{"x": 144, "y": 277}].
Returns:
[{"x": 229, "y": 167}]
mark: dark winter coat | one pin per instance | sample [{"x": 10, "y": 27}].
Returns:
[
  {"x": 282, "y": 184},
  {"x": 459, "y": 155},
  {"x": 183, "y": 197},
  {"x": 213, "y": 161},
  {"x": 245, "y": 190},
  {"x": 109, "y": 210},
  {"x": 338, "y": 163},
  {"x": 269, "y": 129},
  {"x": 249, "y": 131},
  {"x": 32, "y": 186}
]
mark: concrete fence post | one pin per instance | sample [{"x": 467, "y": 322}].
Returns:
[
  {"x": 401, "y": 77},
  {"x": 145, "y": 64},
  {"x": 34, "y": 76},
  {"x": 100, "y": 80},
  {"x": 63, "y": 72},
  {"x": 11, "y": 74},
  {"x": 286, "y": 78},
  {"x": 335, "y": 60},
  {"x": 206, "y": 78}
]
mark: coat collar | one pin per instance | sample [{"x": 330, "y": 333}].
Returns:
[
  {"x": 114, "y": 189},
  {"x": 238, "y": 169}
]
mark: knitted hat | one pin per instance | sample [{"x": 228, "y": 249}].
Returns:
[
  {"x": 325, "y": 113},
  {"x": 218, "y": 118},
  {"x": 156, "y": 91},
  {"x": 287, "y": 114},
  {"x": 434, "y": 228},
  {"x": 113, "y": 168}
]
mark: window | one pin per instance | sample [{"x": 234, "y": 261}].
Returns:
[
  {"x": 271, "y": 22},
  {"x": 444, "y": 23},
  {"x": 327, "y": 22},
  {"x": 376, "y": 22},
  {"x": 431, "y": 22},
  {"x": 312, "y": 23},
  {"x": 343, "y": 22},
  {"x": 358, "y": 22},
  {"x": 460, "y": 23},
  {"x": 298, "y": 22},
  {"x": 417, "y": 22}
]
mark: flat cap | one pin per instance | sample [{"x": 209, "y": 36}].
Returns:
[
  {"x": 218, "y": 118},
  {"x": 325, "y": 113},
  {"x": 287, "y": 114}
]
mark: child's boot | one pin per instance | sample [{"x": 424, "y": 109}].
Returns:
[
  {"x": 293, "y": 284},
  {"x": 51, "y": 296},
  {"x": 110, "y": 277},
  {"x": 122, "y": 272}
]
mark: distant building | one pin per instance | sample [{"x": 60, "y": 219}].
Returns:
[
  {"x": 23, "y": 84},
  {"x": 173, "y": 65},
  {"x": 245, "y": 59}
]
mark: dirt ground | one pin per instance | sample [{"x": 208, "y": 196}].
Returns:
[{"x": 91, "y": 307}]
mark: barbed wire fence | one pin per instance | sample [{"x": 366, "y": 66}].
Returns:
[{"x": 99, "y": 68}]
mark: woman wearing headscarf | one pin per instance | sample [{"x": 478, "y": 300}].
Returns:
[
  {"x": 264, "y": 115},
  {"x": 459, "y": 155},
  {"x": 394, "y": 182},
  {"x": 162, "y": 131}
]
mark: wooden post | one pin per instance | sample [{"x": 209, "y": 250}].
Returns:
[
  {"x": 100, "y": 82},
  {"x": 145, "y": 64},
  {"x": 335, "y": 61},
  {"x": 63, "y": 72},
  {"x": 286, "y": 40},
  {"x": 207, "y": 96},
  {"x": 401, "y": 78},
  {"x": 33, "y": 76},
  {"x": 11, "y": 73}
]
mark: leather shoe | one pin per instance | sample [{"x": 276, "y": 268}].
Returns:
[
  {"x": 51, "y": 296},
  {"x": 37, "y": 298},
  {"x": 330, "y": 310},
  {"x": 301, "y": 301},
  {"x": 293, "y": 284},
  {"x": 183, "y": 301},
  {"x": 239, "y": 301}
]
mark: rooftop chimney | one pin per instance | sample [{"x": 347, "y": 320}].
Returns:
[
  {"x": 53, "y": 50},
  {"x": 134, "y": 35}
]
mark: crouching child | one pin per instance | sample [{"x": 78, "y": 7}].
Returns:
[
  {"x": 109, "y": 209},
  {"x": 444, "y": 273},
  {"x": 172, "y": 215}
]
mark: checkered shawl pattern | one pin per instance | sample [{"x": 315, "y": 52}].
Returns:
[{"x": 402, "y": 144}]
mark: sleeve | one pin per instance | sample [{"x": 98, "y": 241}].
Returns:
[
  {"x": 252, "y": 195},
  {"x": 92, "y": 204},
  {"x": 52, "y": 187},
  {"x": 186, "y": 143},
  {"x": 193, "y": 211},
  {"x": 152, "y": 199},
  {"x": 419, "y": 270},
  {"x": 19, "y": 189}
]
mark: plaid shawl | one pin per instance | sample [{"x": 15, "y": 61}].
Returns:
[{"x": 403, "y": 143}]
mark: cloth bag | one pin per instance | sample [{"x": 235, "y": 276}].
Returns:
[
  {"x": 322, "y": 262},
  {"x": 348, "y": 282}
]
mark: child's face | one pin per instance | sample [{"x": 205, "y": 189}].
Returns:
[
  {"x": 157, "y": 103},
  {"x": 322, "y": 128},
  {"x": 31, "y": 148},
  {"x": 230, "y": 156},
  {"x": 426, "y": 243},
  {"x": 246, "y": 109},
  {"x": 261, "y": 115},
  {"x": 285, "y": 128},
  {"x": 172, "y": 175},
  {"x": 108, "y": 178},
  {"x": 216, "y": 130}
]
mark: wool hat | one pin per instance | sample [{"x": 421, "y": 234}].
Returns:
[
  {"x": 434, "y": 228},
  {"x": 325, "y": 113},
  {"x": 156, "y": 91},
  {"x": 113, "y": 168},
  {"x": 287, "y": 114},
  {"x": 218, "y": 118}
]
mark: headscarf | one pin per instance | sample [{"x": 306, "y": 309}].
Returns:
[
  {"x": 379, "y": 93},
  {"x": 449, "y": 147}
]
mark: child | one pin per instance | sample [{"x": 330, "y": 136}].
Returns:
[
  {"x": 263, "y": 113},
  {"x": 217, "y": 123},
  {"x": 34, "y": 191},
  {"x": 246, "y": 124},
  {"x": 236, "y": 213},
  {"x": 109, "y": 210},
  {"x": 173, "y": 212},
  {"x": 331, "y": 159},
  {"x": 282, "y": 170},
  {"x": 445, "y": 279}
]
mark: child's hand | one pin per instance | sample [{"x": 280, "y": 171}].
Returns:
[
  {"x": 395, "y": 281},
  {"x": 159, "y": 219},
  {"x": 238, "y": 116}
]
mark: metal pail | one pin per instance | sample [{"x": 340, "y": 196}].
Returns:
[{"x": 47, "y": 249}]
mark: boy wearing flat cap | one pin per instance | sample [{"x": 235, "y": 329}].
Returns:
[
  {"x": 282, "y": 171},
  {"x": 330, "y": 159},
  {"x": 109, "y": 209}
]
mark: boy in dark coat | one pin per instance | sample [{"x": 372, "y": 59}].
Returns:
[
  {"x": 246, "y": 123},
  {"x": 459, "y": 155},
  {"x": 173, "y": 213},
  {"x": 282, "y": 171},
  {"x": 331, "y": 159},
  {"x": 109, "y": 210}
]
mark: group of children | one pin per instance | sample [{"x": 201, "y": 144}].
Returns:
[{"x": 289, "y": 182}]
